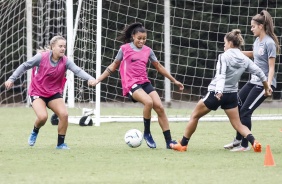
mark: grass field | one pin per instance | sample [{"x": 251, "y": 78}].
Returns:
[{"x": 99, "y": 154}]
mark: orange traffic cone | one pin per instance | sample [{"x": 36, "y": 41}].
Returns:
[{"x": 268, "y": 158}]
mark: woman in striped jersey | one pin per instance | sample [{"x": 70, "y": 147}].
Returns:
[
  {"x": 251, "y": 95},
  {"x": 222, "y": 91}
]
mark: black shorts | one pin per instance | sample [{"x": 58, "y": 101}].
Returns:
[
  {"x": 46, "y": 100},
  {"x": 227, "y": 101},
  {"x": 147, "y": 87}
]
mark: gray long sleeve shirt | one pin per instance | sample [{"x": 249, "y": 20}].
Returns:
[
  {"x": 230, "y": 66},
  {"x": 35, "y": 62}
]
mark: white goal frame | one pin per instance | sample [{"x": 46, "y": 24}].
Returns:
[
  {"x": 186, "y": 37},
  {"x": 102, "y": 119}
]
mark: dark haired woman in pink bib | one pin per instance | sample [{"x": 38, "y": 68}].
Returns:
[{"x": 132, "y": 58}]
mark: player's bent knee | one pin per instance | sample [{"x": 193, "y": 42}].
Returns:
[
  {"x": 159, "y": 108},
  {"x": 63, "y": 116},
  {"x": 42, "y": 119},
  {"x": 149, "y": 104}
]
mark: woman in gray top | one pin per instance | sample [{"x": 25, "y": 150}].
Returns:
[
  {"x": 223, "y": 90},
  {"x": 251, "y": 95}
]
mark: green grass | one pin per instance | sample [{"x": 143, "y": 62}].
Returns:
[{"x": 99, "y": 154}]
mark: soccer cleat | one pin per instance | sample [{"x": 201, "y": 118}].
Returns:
[
  {"x": 32, "y": 138},
  {"x": 63, "y": 146},
  {"x": 149, "y": 140},
  {"x": 170, "y": 142},
  {"x": 240, "y": 148},
  {"x": 233, "y": 144},
  {"x": 178, "y": 147},
  {"x": 257, "y": 146}
]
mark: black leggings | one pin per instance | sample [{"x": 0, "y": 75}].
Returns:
[{"x": 249, "y": 98}]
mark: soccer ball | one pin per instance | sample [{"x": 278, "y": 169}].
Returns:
[{"x": 133, "y": 138}]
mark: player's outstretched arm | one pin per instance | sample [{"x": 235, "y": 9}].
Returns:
[
  {"x": 165, "y": 73},
  {"x": 249, "y": 54},
  {"x": 109, "y": 70},
  {"x": 9, "y": 84},
  {"x": 92, "y": 82},
  {"x": 179, "y": 84},
  {"x": 34, "y": 61}
]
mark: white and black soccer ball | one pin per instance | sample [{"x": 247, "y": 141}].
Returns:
[{"x": 133, "y": 138}]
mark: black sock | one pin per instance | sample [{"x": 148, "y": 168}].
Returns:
[
  {"x": 167, "y": 136},
  {"x": 36, "y": 130},
  {"x": 147, "y": 123},
  {"x": 250, "y": 138},
  {"x": 238, "y": 136},
  {"x": 184, "y": 141},
  {"x": 61, "y": 139}
]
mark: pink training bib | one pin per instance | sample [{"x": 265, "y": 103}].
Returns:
[
  {"x": 47, "y": 80},
  {"x": 133, "y": 68}
]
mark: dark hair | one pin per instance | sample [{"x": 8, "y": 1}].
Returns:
[
  {"x": 235, "y": 37},
  {"x": 130, "y": 30},
  {"x": 265, "y": 19}
]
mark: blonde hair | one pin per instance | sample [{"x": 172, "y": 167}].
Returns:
[
  {"x": 52, "y": 42},
  {"x": 235, "y": 37}
]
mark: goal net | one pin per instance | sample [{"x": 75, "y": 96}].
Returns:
[
  {"x": 193, "y": 40},
  {"x": 12, "y": 49}
]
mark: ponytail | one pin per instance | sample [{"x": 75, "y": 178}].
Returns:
[
  {"x": 235, "y": 37},
  {"x": 130, "y": 30}
]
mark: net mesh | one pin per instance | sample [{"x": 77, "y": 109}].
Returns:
[{"x": 197, "y": 32}]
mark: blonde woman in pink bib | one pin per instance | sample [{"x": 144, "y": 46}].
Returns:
[{"x": 47, "y": 84}]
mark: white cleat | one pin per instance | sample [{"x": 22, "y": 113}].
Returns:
[
  {"x": 233, "y": 144},
  {"x": 240, "y": 148}
]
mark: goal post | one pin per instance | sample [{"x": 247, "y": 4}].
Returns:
[
  {"x": 167, "y": 49},
  {"x": 28, "y": 41},
  {"x": 70, "y": 44},
  {"x": 186, "y": 37},
  {"x": 98, "y": 63}
]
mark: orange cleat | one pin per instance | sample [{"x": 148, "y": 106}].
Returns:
[
  {"x": 178, "y": 147},
  {"x": 257, "y": 146}
]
